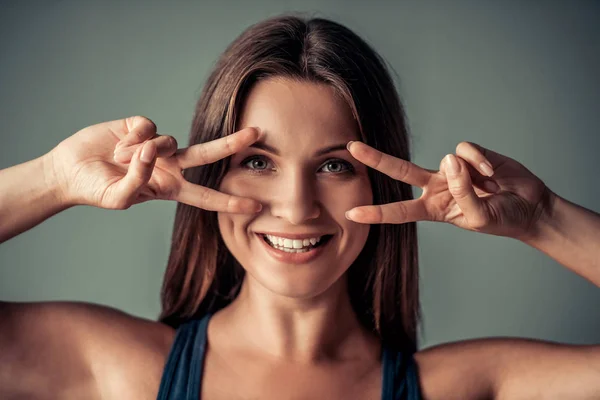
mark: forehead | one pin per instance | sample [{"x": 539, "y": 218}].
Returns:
[{"x": 286, "y": 109}]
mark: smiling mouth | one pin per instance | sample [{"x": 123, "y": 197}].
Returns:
[{"x": 303, "y": 249}]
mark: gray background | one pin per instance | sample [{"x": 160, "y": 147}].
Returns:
[{"x": 518, "y": 77}]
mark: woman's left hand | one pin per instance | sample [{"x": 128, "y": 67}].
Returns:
[{"x": 505, "y": 199}]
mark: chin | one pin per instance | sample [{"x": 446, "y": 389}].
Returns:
[{"x": 294, "y": 286}]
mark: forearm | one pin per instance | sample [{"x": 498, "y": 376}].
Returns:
[
  {"x": 29, "y": 194},
  {"x": 570, "y": 234}
]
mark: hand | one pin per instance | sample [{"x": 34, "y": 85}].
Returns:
[
  {"x": 89, "y": 173},
  {"x": 504, "y": 200}
]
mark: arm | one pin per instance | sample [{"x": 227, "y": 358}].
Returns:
[
  {"x": 69, "y": 350},
  {"x": 570, "y": 234},
  {"x": 29, "y": 194},
  {"x": 509, "y": 369}
]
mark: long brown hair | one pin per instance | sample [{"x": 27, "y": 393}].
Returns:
[{"x": 202, "y": 276}]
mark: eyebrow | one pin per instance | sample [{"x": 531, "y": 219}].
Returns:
[{"x": 320, "y": 152}]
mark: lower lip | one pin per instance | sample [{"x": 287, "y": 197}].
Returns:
[{"x": 293, "y": 258}]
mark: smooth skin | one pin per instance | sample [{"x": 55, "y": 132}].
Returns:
[{"x": 76, "y": 350}]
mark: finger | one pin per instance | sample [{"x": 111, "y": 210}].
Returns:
[
  {"x": 471, "y": 154},
  {"x": 461, "y": 189},
  {"x": 476, "y": 155},
  {"x": 139, "y": 129},
  {"x": 166, "y": 146},
  {"x": 393, "y": 167},
  {"x": 213, "y": 200},
  {"x": 209, "y": 152},
  {"x": 138, "y": 173},
  {"x": 392, "y": 213},
  {"x": 481, "y": 182}
]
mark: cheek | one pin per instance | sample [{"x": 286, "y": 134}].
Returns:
[
  {"x": 255, "y": 188},
  {"x": 340, "y": 197},
  {"x": 232, "y": 226},
  {"x": 337, "y": 195}
]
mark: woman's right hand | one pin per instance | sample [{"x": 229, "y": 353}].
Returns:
[{"x": 91, "y": 173}]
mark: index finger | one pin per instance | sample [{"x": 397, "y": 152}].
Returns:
[
  {"x": 395, "y": 168},
  {"x": 213, "y": 200},
  {"x": 399, "y": 212},
  {"x": 209, "y": 152}
]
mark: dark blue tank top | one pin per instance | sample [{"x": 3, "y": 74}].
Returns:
[{"x": 182, "y": 375}]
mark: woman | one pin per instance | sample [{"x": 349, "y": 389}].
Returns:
[{"x": 293, "y": 268}]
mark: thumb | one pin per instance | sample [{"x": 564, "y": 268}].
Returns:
[
  {"x": 461, "y": 189},
  {"x": 139, "y": 172}
]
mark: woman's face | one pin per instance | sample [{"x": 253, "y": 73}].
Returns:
[{"x": 302, "y": 173}]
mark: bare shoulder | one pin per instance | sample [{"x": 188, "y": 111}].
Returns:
[
  {"x": 77, "y": 350},
  {"x": 126, "y": 353},
  {"x": 509, "y": 368}
]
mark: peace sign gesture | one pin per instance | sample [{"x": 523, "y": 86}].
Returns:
[
  {"x": 120, "y": 163},
  {"x": 478, "y": 190}
]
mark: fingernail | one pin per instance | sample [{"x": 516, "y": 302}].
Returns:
[
  {"x": 486, "y": 168},
  {"x": 351, "y": 214},
  {"x": 258, "y": 207},
  {"x": 452, "y": 164},
  {"x": 147, "y": 155},
  {"x": 491, "y": 186},
  {"x": 348, "y": 145}
]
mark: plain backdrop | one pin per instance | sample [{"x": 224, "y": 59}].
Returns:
[{"x": 521, "y": 78}]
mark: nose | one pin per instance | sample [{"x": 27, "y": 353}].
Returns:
[{"x": 296, "y": 201}]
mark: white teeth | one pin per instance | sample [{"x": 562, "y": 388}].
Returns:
[{"x": 293, "y": 243}]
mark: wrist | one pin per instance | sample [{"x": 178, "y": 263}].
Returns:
[
  {"x": 55, "y": 181},
  {"x": 546, "y": 219}
]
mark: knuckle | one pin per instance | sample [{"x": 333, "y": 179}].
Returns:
[
  {"x": 231, "y": 204},
  {"x": 478, "y": 221},
  {"x": 463, "y": 147},
  {"x": 401, "y": 212},
  {"x": 202, "y": 153},
  {"x": 172, "y": 142},
  {"x": 205, "y": 198},
  {"x": 147, "y": 122},
  {"x": 403, "y": 170},
  {"x": 229, "y": 144},
  {"x": 457, "y": 191},
  {"x": 122, "y": 203}
]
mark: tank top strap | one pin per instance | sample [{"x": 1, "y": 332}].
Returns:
[
  {"x": 400, "y": 376},
  {"x": 183, "y": 370}
]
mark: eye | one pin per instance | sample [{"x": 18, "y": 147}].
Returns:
[
  {"x": 338, "y": 166},
  {"x": 256, "y": 164},
  {"x": 260, "y": 164}
]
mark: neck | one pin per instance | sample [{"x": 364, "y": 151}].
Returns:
[{"x": 317, "y": 329}]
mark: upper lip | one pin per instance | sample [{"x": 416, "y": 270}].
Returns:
[{"x": 295, "y": 235}]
